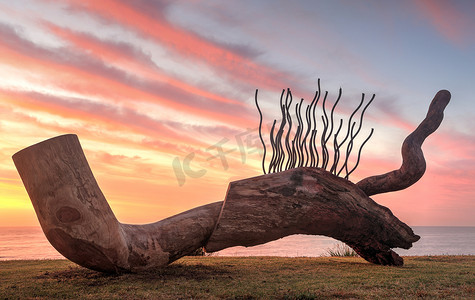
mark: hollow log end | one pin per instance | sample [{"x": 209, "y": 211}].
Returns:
[{"x": 71, "y": 209}]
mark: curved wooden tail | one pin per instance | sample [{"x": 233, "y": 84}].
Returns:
[{"x": 413, "y": 163}]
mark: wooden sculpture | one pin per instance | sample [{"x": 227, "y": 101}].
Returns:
[{"x": 301, "y": 197}]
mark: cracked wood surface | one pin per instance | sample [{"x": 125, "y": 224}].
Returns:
[{"x": 309, "y": 201}]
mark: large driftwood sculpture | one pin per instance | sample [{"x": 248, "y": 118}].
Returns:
[{"x": 79, "y": 223}]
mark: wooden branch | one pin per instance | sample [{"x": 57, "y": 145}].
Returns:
[
  {"x": 309, "y": 201},
  {"x": 79, "y": 223},
  {"x": 413, "y": 162}
]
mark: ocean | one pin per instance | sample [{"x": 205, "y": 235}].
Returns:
[{"x": 30, "y": 243}]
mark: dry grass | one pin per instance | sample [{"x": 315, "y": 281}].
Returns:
[
  {"x": 247, "y": 278},
  {"x": 341, "y": 250}
]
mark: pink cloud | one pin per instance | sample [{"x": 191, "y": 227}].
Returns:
[
  {"x": 130, "y": 56},
  {"x": 231, "y": 61},
  {"x": 454, "y": 20},
  {"x": 91, "y": 77},
  {"x": 164, "y": 136}
]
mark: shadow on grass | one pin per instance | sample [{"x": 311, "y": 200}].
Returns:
[
  {"x": 343, "y": 260},
  {"x": 197, "y": 272}
]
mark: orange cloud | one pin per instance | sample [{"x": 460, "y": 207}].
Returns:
[
  {"x": 112, "y": 125},
  {"x": 91, "y": 78},
  {"x": 104, "y": 116}
]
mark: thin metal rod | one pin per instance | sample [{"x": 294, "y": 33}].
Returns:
[
  {"x": 312, "y": 127},
  {"x": 359, "y": 154},
  {"x": 362, "y": 113},
  {"x": 280, "y": 149},
  {"x": 294, "y": 155},
  {"x": 299, "y": 147},
  {"x": 260, "y": 134},
  {"x": 304, "y": 143},
  {"x": 329, "y": 133},
  {"x": 315, "y": 131},
  {"x": 272, "y": 161},
  {"x": 289, "y": 120},
  {"x": 298, "y": 134},
  {"x": 325, "y": 130},
  {"x": 353, "y": 135},
  {"x": 344, "y": 166},
  {"x": 349, "y": 122},
  {"x": 336, "y": 149}
]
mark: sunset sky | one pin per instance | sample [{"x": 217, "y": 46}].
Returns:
[{"x": 152, "y": 86}]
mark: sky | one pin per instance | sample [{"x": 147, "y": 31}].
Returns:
[{"x": 161, "y": 94}]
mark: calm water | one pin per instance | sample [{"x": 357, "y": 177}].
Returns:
[{"x": 30, "y": 243}]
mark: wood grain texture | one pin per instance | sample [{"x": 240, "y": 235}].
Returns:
[
  {"x": 79, "y": 223},
  {"x": 309, "y": 201}
]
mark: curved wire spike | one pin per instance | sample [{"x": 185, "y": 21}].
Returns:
[
  {"x": 314, "y": 130},
  {"x": 260, "y": 134},
  {"x": 312, "y": 155},
  {"x": 349, "y": 122},
  {"x": 349, "y": 134},
  {"x": 277, "y": 140},
  {"x": 312, "y": 127},
  {"x": 280, "y": 159},
  {"x": 311, "y": 148},
  {"x": 336, "y": 149},
  {"x": 280, "y": 148},
  {"x": 324, "y": 140},
  {"x": 359, "y": 154},
  {"x": 289, "y": 121},
  {"x": 322, "y": 143},
  {"x": 325, "y": 129},
  {"x": 297, "y": 148},
  {"x": 302, "y": 149},
  {"x": 353, "y": 135},
  {"x": 298, "y": 134},
  {"x": 272, "y": 160},
  {"x": 329, "y": 133},
  {"x": 317, "y": 157},
  {"x": 363, "y": 111},
  {"x": 310, "y": 115},
  {"x": 301, "y": 135},
  {"x": 294, "y": 154},
  {"x": 314, "y": 145},
  {"x": 311, "y": 144},
  {"x": 289, "y": 96},
  {"x": 349, "y": 147},
  {"x": 331, "y": 116},
  {"x": 344, "y": 166},
  {"x": 304, "y": 143}
]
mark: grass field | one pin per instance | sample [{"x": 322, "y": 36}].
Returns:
[{"x": 247, "y": 278}]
